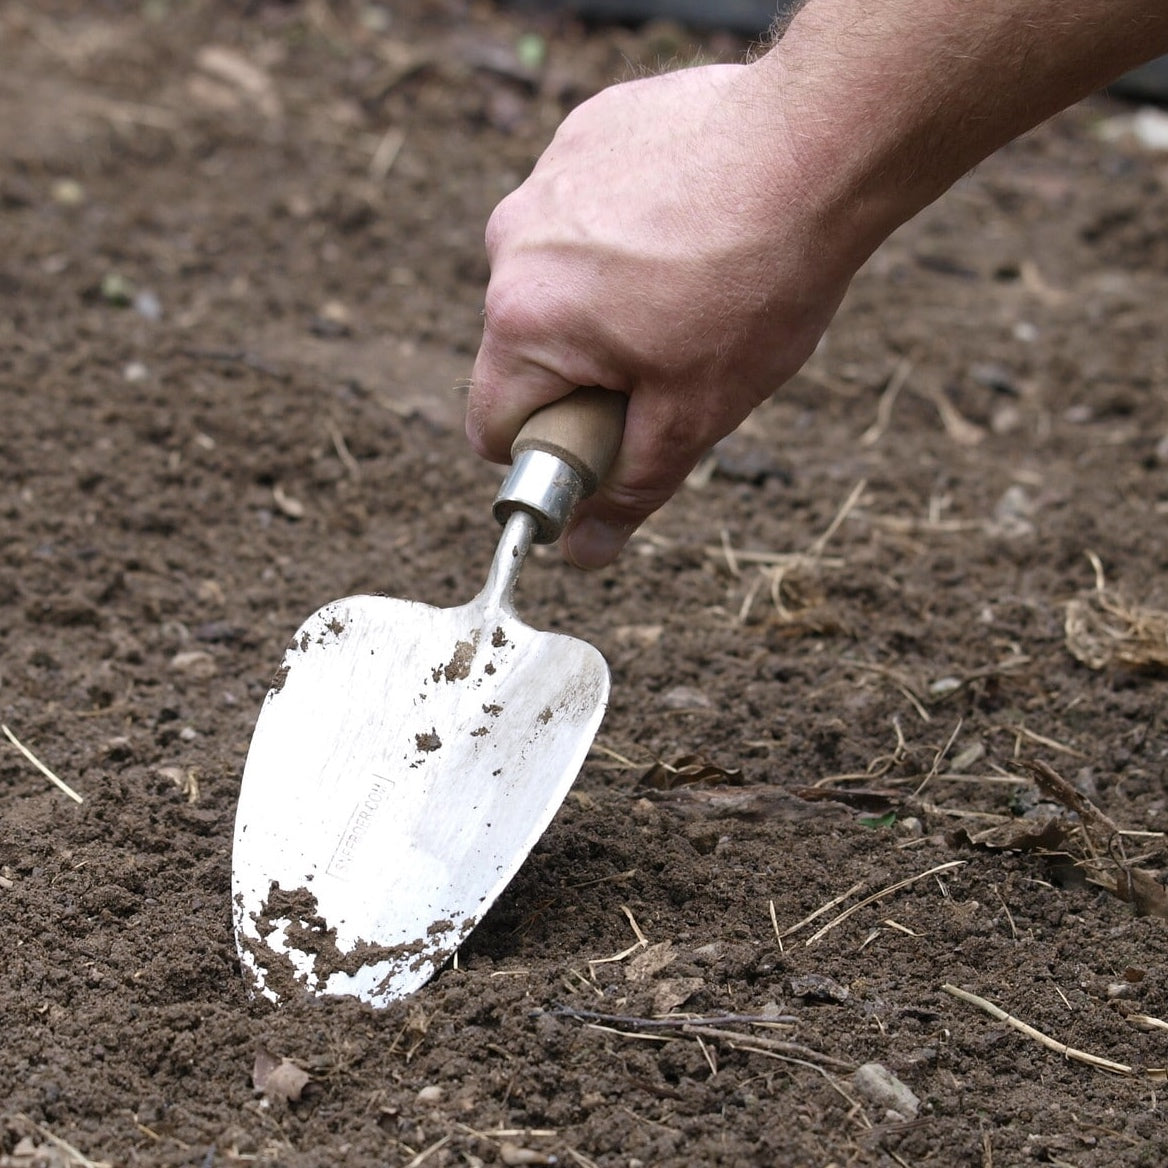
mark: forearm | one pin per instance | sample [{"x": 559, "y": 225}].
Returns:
[{"x": 889, "y": 103}]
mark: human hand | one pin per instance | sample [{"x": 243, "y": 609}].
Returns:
[
  {"x": 687, "y": 238},
  {"x": 672, "y": 245}
]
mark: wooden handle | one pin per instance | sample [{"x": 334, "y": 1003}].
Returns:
[{"x": 583, "y": 429}]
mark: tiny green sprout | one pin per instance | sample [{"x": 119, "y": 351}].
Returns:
[
  {"x": 885, "y": 820},
  {"x": 531, "y": 49},
  {"x": 117, "y": 290}
]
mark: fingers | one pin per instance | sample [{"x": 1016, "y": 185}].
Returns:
[
  {"x": 526, "y": 360},
  {"x": 503, "y": 395},
  {"x": 663, "y": 441}
]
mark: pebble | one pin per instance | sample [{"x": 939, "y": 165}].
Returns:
[
  {"x": 881, "y": 1087},
  {"x": 818, "y": 987},
  {"x": 684, "y": 697},
  {"x": 194, "y": 663},
  {"x": 1013, "y": 511},
  {"x": 513, "y": 1156},
  {"x": 147, "y": 305},
  {"x": 68, "y": 192}
]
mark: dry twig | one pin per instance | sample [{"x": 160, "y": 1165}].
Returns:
[
  {"x": 888, "y": 398},
  {"x": 40, "y": 766},
  {"x": 1155, "y": 1075},
  {"x": 67, "y": 1149},
  {"x": 1103, "y": 630},
  {"x": 880, "y": 894},
  {"x": 642, "y": 942}
]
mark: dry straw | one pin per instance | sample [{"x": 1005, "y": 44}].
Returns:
[{"x": 40, "y": 766}]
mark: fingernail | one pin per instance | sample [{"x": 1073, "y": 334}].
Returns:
[{"x": 592, "y": 543}]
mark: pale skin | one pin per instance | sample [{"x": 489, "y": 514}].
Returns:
[{"x": 686, "y": 239}]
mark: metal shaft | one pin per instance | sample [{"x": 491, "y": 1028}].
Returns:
[
  {"x": 511, "y": 551},
  {"x": 543, "y": 485}
]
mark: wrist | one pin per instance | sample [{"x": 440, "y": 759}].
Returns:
[{"x": 829, "y": 178}]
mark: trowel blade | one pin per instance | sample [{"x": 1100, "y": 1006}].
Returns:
[{"x": 405, "y": 761}]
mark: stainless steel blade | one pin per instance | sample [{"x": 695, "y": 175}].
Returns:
[{"x": 405, "y": 761}]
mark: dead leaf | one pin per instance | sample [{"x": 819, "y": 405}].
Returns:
[
  {"x": 689, "y": 770},
  {"x": 651, "y": 961},
  {"x": 29, "y": 1154},
  {"x": 758, "y": 801},
  {"x": 861, "y": 798},
  {"x": 1090, "y": 638},
  {"x": 818, "y": 987},
  {"x": 1047, "y": 833},
  {"x": 278, "y": 1078},
  {"x": 1143, "y": 891},
  {"x": 674, "y": 992}
]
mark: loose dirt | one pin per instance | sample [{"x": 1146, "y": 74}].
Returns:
[{"x": 242, "y": 272}]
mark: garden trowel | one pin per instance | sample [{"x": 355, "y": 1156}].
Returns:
[{"x": 407, "y": 758}]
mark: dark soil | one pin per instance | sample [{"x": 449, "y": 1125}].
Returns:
[{"x": 241, "y": 263}]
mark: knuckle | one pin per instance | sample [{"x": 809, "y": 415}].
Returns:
[
  {"x": 512, "y": 313},
  {"x": 498, "y": 228}
]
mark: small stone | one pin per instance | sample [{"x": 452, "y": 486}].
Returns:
[
  {"x": 818, "y": 987},
  {"x": 994, "y": 376},
  {"x": 1006, "y": 418},
  {"x": 638, "y": 636},
  {"x": 1147, "y": 126},
  {"x": 376, "y": 17},
  {"x": 1012, "y": 515},
  {"x": 68, "y": 192},
  {"x": 684, "y": 697},
  {"x": 431, "y": 1095},
  {"x": 194, "y": 663},
  {"x": 883, "y": 1089},
  {"x": 966, "y": 758},
  {"x": 531, "y": 49},
  {"x": 147, "y": 305},
  {"x": 513, "y": 1156},
  {"x": 288, "y": 505}
]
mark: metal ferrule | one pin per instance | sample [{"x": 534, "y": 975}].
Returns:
[{"x": 544, "y": 486}]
